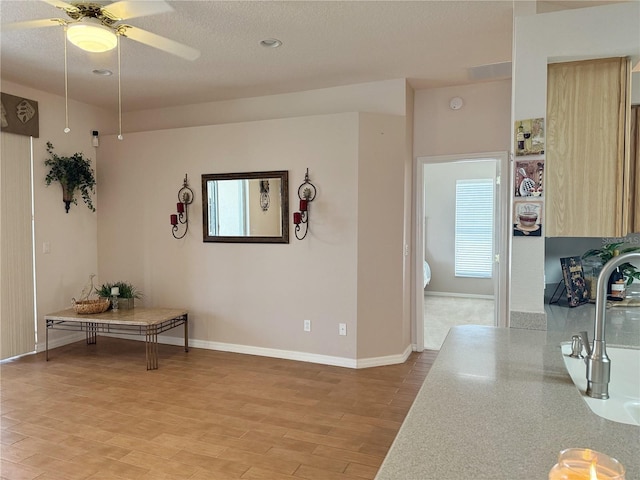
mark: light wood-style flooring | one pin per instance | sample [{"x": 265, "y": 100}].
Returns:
[{"x": 94, "y": 412}]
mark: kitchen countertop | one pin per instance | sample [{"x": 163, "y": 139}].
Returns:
[
  {"x": 499, "y": 404},
  {"x": 622, "y": 327}
]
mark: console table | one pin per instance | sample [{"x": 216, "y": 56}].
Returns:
[{"x": 136, "y": 321}]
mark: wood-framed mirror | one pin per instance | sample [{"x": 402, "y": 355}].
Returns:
[{"x": 246, "y": 207}]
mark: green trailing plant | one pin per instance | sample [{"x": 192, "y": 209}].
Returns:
[
  {"x": 73, "y": 173},
  {"x": 127, "y": 290},
  {"x": 606, "y": 253}
]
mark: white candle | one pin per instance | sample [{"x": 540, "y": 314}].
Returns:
[{"x": 115, "y": 291}]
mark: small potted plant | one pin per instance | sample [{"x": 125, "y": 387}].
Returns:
[
  {"x": 126, "y": 296},
  {"x": 73, "y": 173},
  {"x": 606, "y": 253}
]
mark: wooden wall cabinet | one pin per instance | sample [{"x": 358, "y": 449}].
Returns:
[
  {"x": 634, "y": 172},
  {"x": 591, "y": 189}
]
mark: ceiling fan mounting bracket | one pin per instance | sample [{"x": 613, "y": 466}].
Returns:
[
  {"x": 91, "y": 10},
  {"x": 122, "y": 29}
]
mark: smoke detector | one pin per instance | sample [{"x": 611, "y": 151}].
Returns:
[{"x": 456, "y": 103}]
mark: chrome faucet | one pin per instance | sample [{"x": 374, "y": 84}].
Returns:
[{"x": 598, "y": 363}]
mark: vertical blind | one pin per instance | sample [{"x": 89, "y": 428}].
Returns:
[
  {"x": 17, "y": 325},
  {"x": 474, "y": 228}
]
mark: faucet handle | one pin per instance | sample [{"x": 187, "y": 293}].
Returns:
[
  {"x": 585, "y": 341},
  {"x": 576, "y": 347}
]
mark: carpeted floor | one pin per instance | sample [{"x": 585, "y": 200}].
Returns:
[{"x": 442, "y": 313}]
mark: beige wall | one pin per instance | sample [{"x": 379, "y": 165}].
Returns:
[
  {"x": 257, "y": 295},
  {"x": 481, "y": 125},
  {"x": 387, "y": 96},
  {"x": 380, "y": 259},
  {"x": 246, "y": 298},
  {"x": 265, "y": 222},
  {"x": 408, "y": 326},
  {"x": 594, "y": 32},
  {"x": 61, "y": 274}
]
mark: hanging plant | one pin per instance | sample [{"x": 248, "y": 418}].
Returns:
[{"x": 73, "y": 173}]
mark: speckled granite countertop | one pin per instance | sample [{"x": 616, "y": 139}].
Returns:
[{"x": 498, "y": 404}]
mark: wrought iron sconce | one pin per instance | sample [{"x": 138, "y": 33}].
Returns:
[
  {"x": 265, "y": 201},
  {"x": 306, "y": 193},
  {"x": 185, "y": 197}
]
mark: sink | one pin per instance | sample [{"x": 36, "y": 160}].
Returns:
[{"x": 623, "y": 404}]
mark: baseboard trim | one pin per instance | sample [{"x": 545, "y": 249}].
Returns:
[
  {"x": 60, "y": 341},
  {"x": 258, "y": 351},
  {"x": 273, "y": 353},
  {"x": 386, "y": 360},
  {"x": 458, "y": 295}
]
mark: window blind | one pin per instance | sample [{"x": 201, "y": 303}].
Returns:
[
  {"x": 474, "y": 228},
  {"x": 17, "y": 317}
]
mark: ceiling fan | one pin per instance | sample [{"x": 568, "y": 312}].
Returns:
[{"x": 95, "y": 27}]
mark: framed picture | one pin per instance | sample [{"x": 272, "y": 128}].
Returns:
[
  {"x": 529, "y": 137},
  {"x": 19, "y": 115},
  {"x": 527, "y": 218},
  {"x": 574, "y": 282},
  {"x": 529, "y": 178}
]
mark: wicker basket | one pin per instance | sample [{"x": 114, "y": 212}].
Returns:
[{"x": 85, "y": 307}]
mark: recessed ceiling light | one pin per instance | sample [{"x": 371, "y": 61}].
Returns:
[
  {"x": 271, "y": 43},
  {"x": 103, "y": 71}
]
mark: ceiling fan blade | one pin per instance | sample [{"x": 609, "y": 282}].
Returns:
[
  {"x": 62, "y": 5},
  {"x": 162, "y": 43},
  {"x": 125, "y": 9},
  {"x": 45, "y": 22}
]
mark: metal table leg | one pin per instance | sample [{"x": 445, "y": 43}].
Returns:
[
  {"x": 151, "y": 344},
  {"x": 92, "y": 335},
  {"x": 46, "y": 341},
  {"x": 186, "y": 333}
]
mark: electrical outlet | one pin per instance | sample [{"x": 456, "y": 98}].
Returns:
[
  {"x": 46, "y": 247},
  {"x": 307, "y": 325},
  {"x": 342, "y": 329}
]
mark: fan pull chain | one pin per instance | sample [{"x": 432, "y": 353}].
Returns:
[
  {"x": 120, "y": 137},
  {"x": 66, "y": 86}
]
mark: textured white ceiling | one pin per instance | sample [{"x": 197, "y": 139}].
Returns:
[{"x": 325, "y": 44}]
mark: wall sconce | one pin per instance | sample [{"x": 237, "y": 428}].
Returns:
[
  {"x": 265, "y": 201},
  {"x": 306, "y": 193},
  {"x": 185, "y": 197}
]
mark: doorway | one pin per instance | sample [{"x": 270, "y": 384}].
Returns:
[{"x": 460, "y": 250}]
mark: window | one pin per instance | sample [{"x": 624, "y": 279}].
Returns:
[
  {"x": 227, "y": 207},
  {"x": 474, "y": 228}
]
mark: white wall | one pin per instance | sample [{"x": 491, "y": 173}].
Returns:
[
  {"x": 596, "y": 32},
  {"x": 440, "y": 207},
  {"x": 61, "y": 274}
]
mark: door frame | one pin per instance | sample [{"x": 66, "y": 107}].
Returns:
[{"x": 501, "y": 241}]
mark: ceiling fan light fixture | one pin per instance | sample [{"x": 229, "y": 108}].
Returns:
[{"x": 90, "y": 35}]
